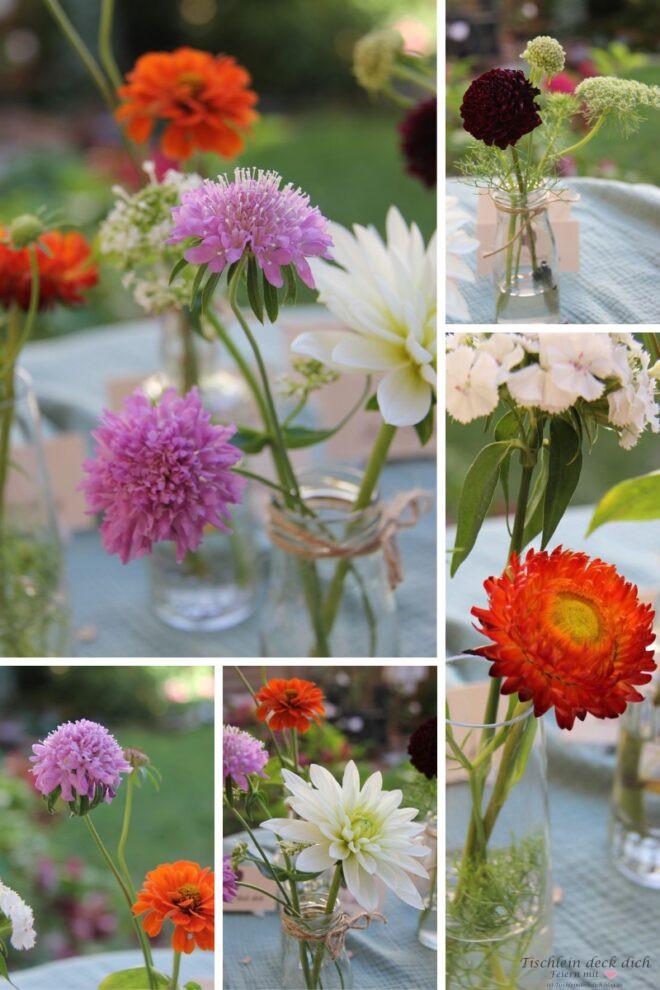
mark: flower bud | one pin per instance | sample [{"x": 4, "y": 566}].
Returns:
[
  {"x": 25, "y": 230},
  {"x": 545, "y": 54},
  {"x": 374, "y": 56},
  {"x": 136, "y": 758}
]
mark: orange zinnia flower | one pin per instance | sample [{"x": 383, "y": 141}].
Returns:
[
  {"x": 183, "y": 893},
  {"x": 567, "y": 631},
  {"x": 290, "y": 704},
  {"x": 65, "y": 266},
  {"x": 203, "y": 101}
]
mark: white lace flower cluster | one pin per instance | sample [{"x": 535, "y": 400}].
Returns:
[
  {"x": 134, "y": 234},
  {"x": 610, "y": 373},
  {"x": 20, "y": 918}
]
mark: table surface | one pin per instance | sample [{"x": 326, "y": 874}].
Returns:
[
  {"x": 619, "y": 235},
  {"x": 111, "y": 599},
  {"x": 385, "y": 956},
  {"x": 86, "y": 972},
  {"x": 601, "y": 913}
]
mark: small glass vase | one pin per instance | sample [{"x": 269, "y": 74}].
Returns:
[
  {"x": 34, "y": 610},
  {"x": 329, "y": 593},
  {"x": 319, "y": 961},
  {"x": 215, "y": 587},
  {"x": 635, "y": 805},
  {"x": 427, "y": 927},
  {"x": 525, "y": 262},
  {"x": 498, "y": 854}
]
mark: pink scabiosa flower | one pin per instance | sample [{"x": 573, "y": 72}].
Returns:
[
  {"x": 161, "y": 472},
  {"x": 242, "y": 754},
  {"x": 81, "y": 762},
  {"x": 229, "y": 881},
  {"x": 251, "y": 213}
]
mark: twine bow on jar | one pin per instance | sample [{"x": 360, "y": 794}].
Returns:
[
  {"x": 403, "y": 512},
  {"x": 528, "y": 214},
  {"x": 334, "y": 937}
]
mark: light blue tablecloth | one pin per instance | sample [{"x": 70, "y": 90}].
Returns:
[
  {"x": 618, "y": 281},
  {"x": 86, "y": 972},
  {"x": 384, "y": 957},
  {"x": 71, "y": 376},
  {"x": 601, "y": 913}
]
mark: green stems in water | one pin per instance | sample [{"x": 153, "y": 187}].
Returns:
[{"x": 329, "y": 908}]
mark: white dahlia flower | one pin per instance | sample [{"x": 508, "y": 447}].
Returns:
[
  {"x": 385, "y": 294},
  {"x": 362, "y": 828},
  {"x": 20, "y": 918}
]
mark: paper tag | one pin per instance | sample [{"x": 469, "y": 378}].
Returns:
[
  {"x": 565, "y": 228},
  {"x": 251, "y": 901},
  {"x": 64, "y": 455}
]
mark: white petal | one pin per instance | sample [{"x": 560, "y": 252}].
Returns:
[
  {"x": 319, "y": 344},
  {"x": 313, "y": 859},
  {"x": 404, "y": 398},
  {"x": 367, "y": 354},
  {"x": 350, "y": 785},
  {"x": 361, "y": 885}
]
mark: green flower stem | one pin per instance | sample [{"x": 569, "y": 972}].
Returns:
[
  {"x": 144, "y": 945},
  {"x": 174, "y": 983},
  {"x": 294, "y": 749},
  {"x": 190, "y": 362},
  {"x": 106, "y": 53},
  {"x": 412, "y": 75},
  {"x": 329, "y": 908},
  {"x": 242, "y": 365},
  {"x": 257, "y": 846},
  {"x": 266, "y": 893},
  {"x": 524, "y": 218},
  {"x": 123, "y": 838},
  {"x": 580, "y": 144},
  {"x": 83, "y": 52},
  {"x": 295, "y": 900},
  {"x": 268, "y": 484},
  {"x": 372, "y": 473}
]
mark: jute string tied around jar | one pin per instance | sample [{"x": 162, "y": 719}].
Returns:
[
  {"x": 333, "y": 938},
  {"x": 403, "y": 512},
  {"x": 529, "y": 213}
]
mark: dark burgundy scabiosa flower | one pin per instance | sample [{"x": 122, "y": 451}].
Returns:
[
  {"x": 499, "y": 107},
  {"x": 423, "y": 748},
  {"x": 418, "y": 131}
]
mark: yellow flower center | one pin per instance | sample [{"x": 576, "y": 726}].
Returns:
[
  {"x": 577, "y": 618},
  {"x": 189, "y": 897}
]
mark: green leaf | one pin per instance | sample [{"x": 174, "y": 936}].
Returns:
[
  {"x": 254, "y": 290},
  {"x": 633, "y": 500},
  {"x": 199, "y": 275},
  {"x": 507, "y": 427},
  {"x": 193, "y": 986},
  {"x": 371, "y": 405},
  {"x": 132, "y": 979},
  {"x": 291, "y": 291},
  {"x": 523, "y": 749},
  {"x": 279, "y": 872},
  {"x": 270, "y": 299},
  {"x": 248, "y": 440},
  {"x": 424, "y": 429},
  {"x": 301, "y": 436},
  {"x": 180, "y": 265},
  {"x": 476, "y": 496},
  {"x": 231, "y": 270},
  {"x": 534, "y": 517},
  {"x": 209, "y": 289},
  {"x": 564, "y": 466}
]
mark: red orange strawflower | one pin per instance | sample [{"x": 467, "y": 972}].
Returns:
[
  {"x": 182, "y": 893},
  {"x": 66, "y": 270},
  {"x": 204, "y": 101},
  {"x": 567, "y": 631},
  {"x": 291, "y": 704}
]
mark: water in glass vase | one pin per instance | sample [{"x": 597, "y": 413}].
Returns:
[{"x": 635, "y": 808}]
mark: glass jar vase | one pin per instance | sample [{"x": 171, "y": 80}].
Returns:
[
  {"x": 498, "y": 915},
  {"x": 635, "y": 805},
  {"x": 427, "y": 927},
  {"x": 215, "y": 587},
  {"x": 525, "y": 262},
  {"x": 34, "y": 612},
  {"x": 329, "y": 592},
  {"x": 313, "y": 953}
]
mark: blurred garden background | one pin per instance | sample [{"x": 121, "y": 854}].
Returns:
[
  {"x": 318, "y": 128},
  {"x": 601, "y": 37},
  {"x": 371, "y": 713},
  {"x": 167, "y": 713}
]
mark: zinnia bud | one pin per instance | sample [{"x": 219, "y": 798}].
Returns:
[
  {"x": 374, "y": 57},
  {"x": 25, "y": 230},
  {"x": 545, "y": 54}
]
